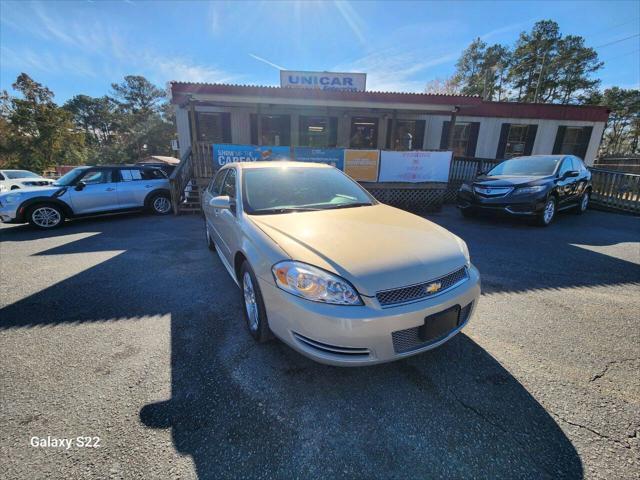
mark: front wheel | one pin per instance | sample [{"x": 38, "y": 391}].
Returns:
[
  {"x": 583, "y": 204},
  {"x": 160, "y": 204},
  {"x": 254, "y": 311},
  {"x": 210, "y": 244},
  {"x": 548, "y": 213},
  {"x": 45, "y": 216}
]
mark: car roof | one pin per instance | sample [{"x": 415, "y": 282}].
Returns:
[{"x": 276, "y": 164}]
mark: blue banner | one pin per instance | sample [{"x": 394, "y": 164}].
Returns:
[
  {"x": 225, "y": 153},
  {"x": 331, "y": 156}
]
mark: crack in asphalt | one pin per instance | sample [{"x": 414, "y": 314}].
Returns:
[
  {"x": 589, "y": 429},
  {"x": 609, "y": 364}
]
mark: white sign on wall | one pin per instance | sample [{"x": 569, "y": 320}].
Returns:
[
  {"x": 414, "y": 166},
  {"x": 349, "y": 82}
]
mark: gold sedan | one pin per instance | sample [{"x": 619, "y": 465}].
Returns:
[{"x": 330, "y": 271}]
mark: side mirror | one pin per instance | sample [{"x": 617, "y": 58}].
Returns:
[
  {"x": 571, "y": 173},
  {"x": 223, "y": 201},
  {"x": 80, "y": 185}
]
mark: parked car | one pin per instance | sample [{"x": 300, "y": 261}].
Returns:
[
  {"x": 336, "y": 275},
  {"x": 536, "y": 187},
  {"x": 15, "y": 179},
  {"x": 88, "y": 191}
]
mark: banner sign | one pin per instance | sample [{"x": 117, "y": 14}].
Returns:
[
  {"x": 331, "y": 156},
  {"x": 414, "y": 166},
  {"x": 223, "y": 154},
  {"x": 362, "y": 165},
  {"x": 346, "y": 82}
]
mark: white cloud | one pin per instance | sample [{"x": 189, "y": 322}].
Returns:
[{"x": 392, "y": 70}]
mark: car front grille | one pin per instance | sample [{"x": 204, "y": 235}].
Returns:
[
  {"x": 412, "y": 293},
  {"x": 492, "y": 191},
  {"x": 408, "y": 340},
  {"x": 37, "y": 183}
]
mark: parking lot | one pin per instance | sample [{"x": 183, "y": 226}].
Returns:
[{"x": 127, "y": 328}]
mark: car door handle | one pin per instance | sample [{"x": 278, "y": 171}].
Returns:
[
  {"x": 148, "y": 186},
  {"x": 110, "y": 189}
]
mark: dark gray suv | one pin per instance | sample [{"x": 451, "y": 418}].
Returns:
[{"x": 88, "y": 191}]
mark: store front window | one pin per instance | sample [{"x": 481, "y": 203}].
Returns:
[
  {"x": 364, "y": 132},
  {"x": 213, "y": 127},
  {"x": 409, "y": 134},
  {"x": 275, "y": 130},
  {"x": 321, "y": 132},
  {"x": 573, "y": 140},
  {"x": 516, "y": 141}
]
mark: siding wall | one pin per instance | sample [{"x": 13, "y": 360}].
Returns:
[{"x": 488, "y": 136}]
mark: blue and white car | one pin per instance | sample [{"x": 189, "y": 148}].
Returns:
[{"x": 88, "y": 191}]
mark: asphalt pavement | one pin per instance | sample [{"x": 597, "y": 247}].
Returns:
[{"x": 129, "y": 329}]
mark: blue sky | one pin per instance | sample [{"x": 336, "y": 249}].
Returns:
[{"x": 83, "y": 46}]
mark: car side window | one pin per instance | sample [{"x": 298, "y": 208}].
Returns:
[
  {"x": 578, "y": 166},
  {"x": 94, "y": 177},
  {"x": 1, "y": 177},
  {"x": 216, "y": 186},
  {"x": 565, "y": 167},
  {"x": 152, "y": 174},
  {"x": 229, "y": 186},
  {"x": 130, "y": 175}
]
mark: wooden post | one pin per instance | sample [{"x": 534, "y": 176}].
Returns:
[
  {"x": 195, "y": 154},
  {"x": 259, "y": 124},
  {"x": 452, "y": 126},
  {"x": 394, "y": 121}
]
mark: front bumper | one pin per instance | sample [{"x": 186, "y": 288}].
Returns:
[
  {"x": 527, "y": 205},
  {"x": 361, "y": 335},
  {"x": 9, "y": 214}
]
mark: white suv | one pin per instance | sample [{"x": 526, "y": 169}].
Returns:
[
  {"x": 88, "y": 191},
  {"x": 15, "y": 179}
]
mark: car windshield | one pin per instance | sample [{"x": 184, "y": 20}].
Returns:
[
  {"x": 526, "y": 166},
  {"x": 69, "y": 177},
  {"x": 290, "y": 189},
  {"x": 20, "y": 174}
]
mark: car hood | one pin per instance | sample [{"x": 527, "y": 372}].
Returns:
[
  {"x": 375, "y": 248},
  {"x": 508, "y": 180},
  {"x": 33, "y": 191}
]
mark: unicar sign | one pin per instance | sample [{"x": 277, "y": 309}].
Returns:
[{"x": 349, "y": 82}]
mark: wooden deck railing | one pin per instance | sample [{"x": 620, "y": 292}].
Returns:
[
  {"x": 616, "y": 190},
  {"x": 179, "y": 178}
]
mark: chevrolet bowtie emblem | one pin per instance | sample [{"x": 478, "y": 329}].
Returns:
[{"x": 433, "y": 287}]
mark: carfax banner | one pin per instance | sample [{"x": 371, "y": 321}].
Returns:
[
  {"x": 226, "y": 153},
  {"x": 414, "y": 166}
]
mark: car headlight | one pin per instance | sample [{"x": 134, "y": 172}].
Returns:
[
  {"x": 465, "y": 187},
  {"x": 314, "y": 284},
  {"x": 527, "y": 190},
  {"x": 465, "y": 250},
  {"x": 11, "y": 199}
]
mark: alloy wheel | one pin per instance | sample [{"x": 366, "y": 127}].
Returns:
[
  {"x": 584, "y": 202},
  {"x": 161, "y": 205},
  {"x": 250, "y": 301},
  {"x": 46, "y": 217},
  {"x": 549, "y": 211}
]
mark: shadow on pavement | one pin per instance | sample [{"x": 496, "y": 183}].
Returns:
[{"x": 246, "y": 410}]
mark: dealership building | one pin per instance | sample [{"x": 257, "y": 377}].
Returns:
[{"x": 325, "y": 110}]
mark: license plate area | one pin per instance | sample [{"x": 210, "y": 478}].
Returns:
[{"x": 439, "y": 324}]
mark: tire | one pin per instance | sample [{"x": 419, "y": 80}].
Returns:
[
  {"x": 160, "y": 204},
  {"x": 548, "y": 213},
  {"x": 255, "y": 313},
  {"x": 210, "y": 244},
  {"x": 45, "y": 216},
  {"x": 468, "y": 212},
  {"x": 583, "y": 203}
]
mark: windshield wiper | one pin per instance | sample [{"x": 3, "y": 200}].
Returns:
[
  {"x": 269, "y": 211},
  {"x": 349, "y": 205}
]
